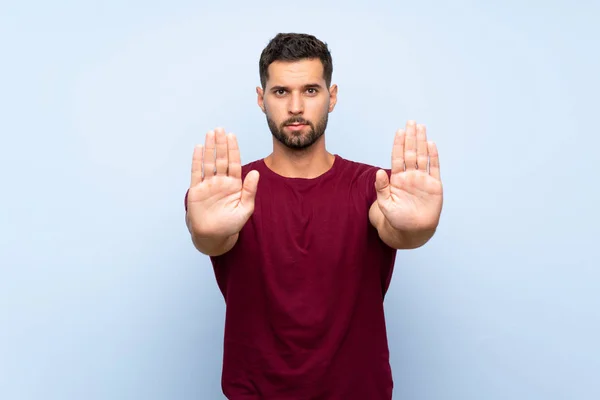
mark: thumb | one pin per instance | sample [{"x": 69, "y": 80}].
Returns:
[
  {"x": 249, "y": 189},
  {"x": 382, "y": 185}
]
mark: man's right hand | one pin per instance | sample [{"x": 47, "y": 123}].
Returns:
[{"x": 218, "y": 204}]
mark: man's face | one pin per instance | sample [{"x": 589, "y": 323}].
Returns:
[{"x": 296, "y": 102}]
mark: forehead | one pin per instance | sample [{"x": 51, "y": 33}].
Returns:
[{"x": 292, "y": 73}]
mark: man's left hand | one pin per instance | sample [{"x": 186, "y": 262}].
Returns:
[{"x": 411, "y": 199}]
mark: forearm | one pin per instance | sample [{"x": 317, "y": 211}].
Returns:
[{"x": 212, "y": 246}]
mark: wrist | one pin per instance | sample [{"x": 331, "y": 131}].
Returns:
[{"x": 407, "y": 239}]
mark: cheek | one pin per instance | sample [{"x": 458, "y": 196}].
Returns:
[
  {"x": 274, "y": 115},
  {"x": 318, "y": 111},
  {"x": 274, "y": 110}
]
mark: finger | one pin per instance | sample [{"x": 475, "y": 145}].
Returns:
[
  {"x": 382, "y": 185},
  {"x": 235, "y": 163},
  {"x": 398, "y": 152},
  {"x": 249, "y": 189},
  {"x": 221, "y": 159},
  {"x": 209, "y": 155},
  {"x": 422, "y": 153},
  {"x": 434, "y": 160},
  {"x": 197, "y": 165},
  {"x": 410, "y": 146}
]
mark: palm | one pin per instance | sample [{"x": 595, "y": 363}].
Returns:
[
  {"x": 219, "y": 204},
  {"x": 412, "y": 197}
]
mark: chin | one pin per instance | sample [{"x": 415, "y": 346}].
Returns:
[{"x": 300, "y": 142}]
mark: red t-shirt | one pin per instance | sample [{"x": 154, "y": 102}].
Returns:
[{"x": 304, "y": 289}]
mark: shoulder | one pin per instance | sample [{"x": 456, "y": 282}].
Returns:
[
  {"x": 360, "y": 169},
  {"x": 362, "y": 176},
  {"x": 253, "y": 165}
]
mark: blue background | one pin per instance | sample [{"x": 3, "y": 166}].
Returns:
[{"x": 102, "y": 295}]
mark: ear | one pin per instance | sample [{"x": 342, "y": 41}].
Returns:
[
  {"x": 260, "y": 98},
  {"x": 333, "y": 90}
]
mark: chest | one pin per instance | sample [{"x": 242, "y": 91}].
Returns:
[{"x": 308, "y": 228}]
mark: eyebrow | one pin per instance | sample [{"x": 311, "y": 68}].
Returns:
[{"x": 307, "y": 86}]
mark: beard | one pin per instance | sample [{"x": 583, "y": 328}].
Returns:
[{"x": 298, "y": 140}]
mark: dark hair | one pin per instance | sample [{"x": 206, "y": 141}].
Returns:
[{"x": 295, "y": 47}]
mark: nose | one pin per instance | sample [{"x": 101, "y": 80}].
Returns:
[{"x": 296, "y": 105}]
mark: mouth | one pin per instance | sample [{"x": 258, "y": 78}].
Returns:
[{"x": 295, "y": 126}]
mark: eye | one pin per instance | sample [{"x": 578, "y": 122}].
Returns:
[
  {"x": 312, "y": 91},
  {"x": 279, "y": 92}
]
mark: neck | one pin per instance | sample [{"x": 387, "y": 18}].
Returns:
[{"x": 306, "y": 163}]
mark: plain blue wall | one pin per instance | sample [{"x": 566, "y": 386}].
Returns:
[{"x": 102, "y": 295}]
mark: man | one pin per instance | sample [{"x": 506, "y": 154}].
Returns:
[{"x": 304, "y": 255}]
